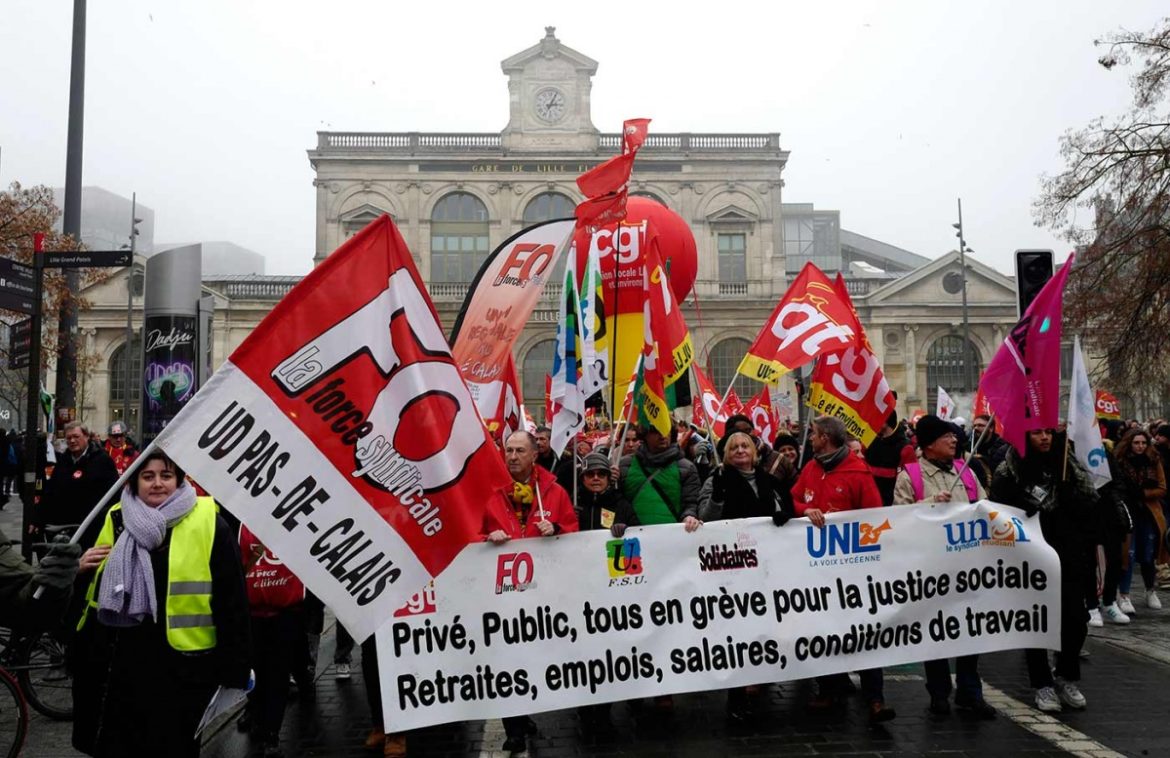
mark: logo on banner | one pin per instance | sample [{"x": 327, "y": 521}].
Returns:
[
  {"x": 514, "y": 572},
  {"x": 985, "y": 532},
  {"x": 848, "y": 542},
  {"x": 625, "y": 562},
  {"x": 419, "y": 603},
  {"x": 525, "y": 263},
  {"x": 723, "y": 558}
]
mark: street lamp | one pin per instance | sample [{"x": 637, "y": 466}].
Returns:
[
  {"x": 963, "y": 250},
  {"x": 134, "y": 222}
]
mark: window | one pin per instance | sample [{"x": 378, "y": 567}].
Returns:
[
  {"x": 812, "y": 238},
  {"x": 945, "y": 367},
  {"x": 732, "y": 258},
  {"x": 537, "y": 365},
  {"x": 117, "y": 369},
  {"x": 546, "y": 206},
  {"x": 459, "y": 238},
  {"x": 722, "y": 363}
]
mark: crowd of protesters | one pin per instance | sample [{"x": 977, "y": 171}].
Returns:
[{"x": 173, "y": 598}]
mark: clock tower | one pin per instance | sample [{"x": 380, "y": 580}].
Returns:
[{"x": 548, "y": 92}]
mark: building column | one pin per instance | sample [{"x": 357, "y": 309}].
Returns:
[{"x": 911, "y": 366}]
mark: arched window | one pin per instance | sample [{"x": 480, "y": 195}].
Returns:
[
  {"x": 722, "y": 363},
  {"x": 649, "y": 196},
  {"x": 537, "y": 365},
  {"x": 459, "y": 238},
  {"x": 546, "y": 206},
  {"x": 945, "y": 367},
  {"x": 117, "y": 373}
]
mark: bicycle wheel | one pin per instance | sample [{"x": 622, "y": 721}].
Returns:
[
  {"x": 13, "y": 716},
  {"x": 40, "y": 670}
]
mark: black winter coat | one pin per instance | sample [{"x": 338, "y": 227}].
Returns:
[
  {"x": 590, "y": 506},
  {"x": 76, "y": 487},
  {"x": 133, "y": 694}
]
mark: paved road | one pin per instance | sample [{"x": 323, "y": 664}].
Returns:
[{"x": 1124, "y": 679}]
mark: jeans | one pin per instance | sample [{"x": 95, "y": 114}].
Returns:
[
  {"x": 938, "y": 678},
  {"x": 1143, "y": 549}
]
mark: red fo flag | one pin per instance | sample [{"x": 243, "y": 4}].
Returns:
[
  {"x": 1022, "y": 382},
  {"x": 634, "y": 132},
  {"x": 810, "y": 320},
  {"x": 341, "y": 433}
]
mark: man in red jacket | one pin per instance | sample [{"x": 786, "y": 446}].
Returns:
[
  {"x": 533, "y": 506},
  {"x": 836, "y": 481}
]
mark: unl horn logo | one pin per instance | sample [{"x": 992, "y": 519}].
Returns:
[{"x": 418, "y": 379}]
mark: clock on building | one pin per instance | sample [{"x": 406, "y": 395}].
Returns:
[{"x": 550, "y": 104}]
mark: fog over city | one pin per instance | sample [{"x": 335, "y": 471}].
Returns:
[{"x": 890, "y": 111}]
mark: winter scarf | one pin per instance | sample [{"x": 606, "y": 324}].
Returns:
[{"x": 127, "y": 593}]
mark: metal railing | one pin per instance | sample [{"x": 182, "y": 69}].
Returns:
[
  {"x": 441, "y": 142},
  {"x": 730, "y": 289}
]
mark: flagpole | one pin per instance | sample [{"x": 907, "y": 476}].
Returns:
[
  {"x": 971, "y": 453},
  {"x": 624, "y": 421}
]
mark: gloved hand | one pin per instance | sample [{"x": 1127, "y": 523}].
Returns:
[
  {"x": 706, "y": 448},
  {"x": 58, "y": 568},
  {"x": 780, "y": 518},
  {"x": 617, "y": 530}
]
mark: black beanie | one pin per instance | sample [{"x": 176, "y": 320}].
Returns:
[
  {"x": 784, "y": 438},
  {"x": 1163, "y": 431},
  {"x": 930, "y": 428}
]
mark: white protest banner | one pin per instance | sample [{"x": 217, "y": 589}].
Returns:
[
  {"x": 548, "y": 623},
  {"x": 341, "y": 433}
]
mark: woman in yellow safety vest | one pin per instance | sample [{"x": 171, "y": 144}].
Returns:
[{"x": 165, "y": 621}]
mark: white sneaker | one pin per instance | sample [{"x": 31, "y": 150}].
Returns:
[
  {"x": 1047, "y": 701},
  {"x": 1095, "y": 617},
  {"x": 342, "y": 672},
  {"x": 1114, "y": 614},
  {"x": 1125, "y": 604},
  {"x": 1152, "y": 600},
  {"x": 1069, "y": 694}
]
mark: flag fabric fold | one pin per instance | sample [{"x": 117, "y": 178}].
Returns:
[
  {"x": 567, "y": 395},
  {"x": 944, "y": 407},
  {"x": 1022, "y": 382},
  {"x": 634, "y": 131},
  {"x": 1083, "y": 429},
  {"x": 810, "y": 320},
  {"x": 668, "y": 350},
  {"x": 610, "y": 176}
]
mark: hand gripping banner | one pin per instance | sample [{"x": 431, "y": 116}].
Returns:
[{"x": 341, "y": 433}]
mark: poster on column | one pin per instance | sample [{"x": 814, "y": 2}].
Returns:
[
  {"x": 549, "y": 623},
  {"x": 168, "y": 370}
]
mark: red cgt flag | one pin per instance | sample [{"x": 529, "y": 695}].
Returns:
[
  {"x": 607, "y": 178},
  {"x": 634, "y": 132},
  {"x": 812, "y": 319},
  {"x": 763, "y": 415},
  {"x": 341, "y": 433}
]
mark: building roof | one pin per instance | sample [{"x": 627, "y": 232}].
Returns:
[{"x": 880, "y": 254}]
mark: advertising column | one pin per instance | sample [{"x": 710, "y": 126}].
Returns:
[{"x": 170, "y": 328}]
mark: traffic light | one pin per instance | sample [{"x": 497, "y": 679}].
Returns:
[{"x": 1033, "y": 270}]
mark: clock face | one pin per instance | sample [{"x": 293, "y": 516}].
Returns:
[{"x": 550, "y": 105}]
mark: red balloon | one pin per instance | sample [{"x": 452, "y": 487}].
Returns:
[{"x": 675, "y": 241}]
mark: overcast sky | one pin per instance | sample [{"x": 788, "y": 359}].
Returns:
[{"x": 205, "y": 108}]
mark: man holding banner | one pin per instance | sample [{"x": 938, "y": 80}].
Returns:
[{"x": 836, "y": 481}]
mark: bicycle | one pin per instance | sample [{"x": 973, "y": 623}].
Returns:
[
  {"x": 37, "y": 663},
  {"x": 13, "y": 716}
]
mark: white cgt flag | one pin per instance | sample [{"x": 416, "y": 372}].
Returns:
[
  {"x": 1082, "y": 422},
  {"x": 945, "y": 407}
]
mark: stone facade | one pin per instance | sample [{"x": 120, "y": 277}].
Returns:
[{"x": 455, "y": 197}]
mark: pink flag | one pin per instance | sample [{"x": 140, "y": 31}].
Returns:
[{"x": 1022, "y": 382}]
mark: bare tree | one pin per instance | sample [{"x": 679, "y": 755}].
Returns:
[{"x": 1113, "y": 201}]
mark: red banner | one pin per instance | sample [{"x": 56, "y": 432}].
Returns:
[
  {"x": 342, "y": 434},
  {"x": 809, "y": 321}
]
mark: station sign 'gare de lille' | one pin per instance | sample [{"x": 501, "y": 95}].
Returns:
[{"x": 526, "y": 167}]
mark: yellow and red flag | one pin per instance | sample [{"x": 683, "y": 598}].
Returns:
[
  {"x": 811, "y": 320},
  {"x": 849, "y": 384},
  {"x": 667, "y": 350}
]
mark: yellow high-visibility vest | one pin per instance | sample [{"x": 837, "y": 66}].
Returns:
[{"x": 190, "y": 626}]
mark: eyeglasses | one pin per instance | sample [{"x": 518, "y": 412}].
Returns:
[{"x": 596, "y": 474}]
